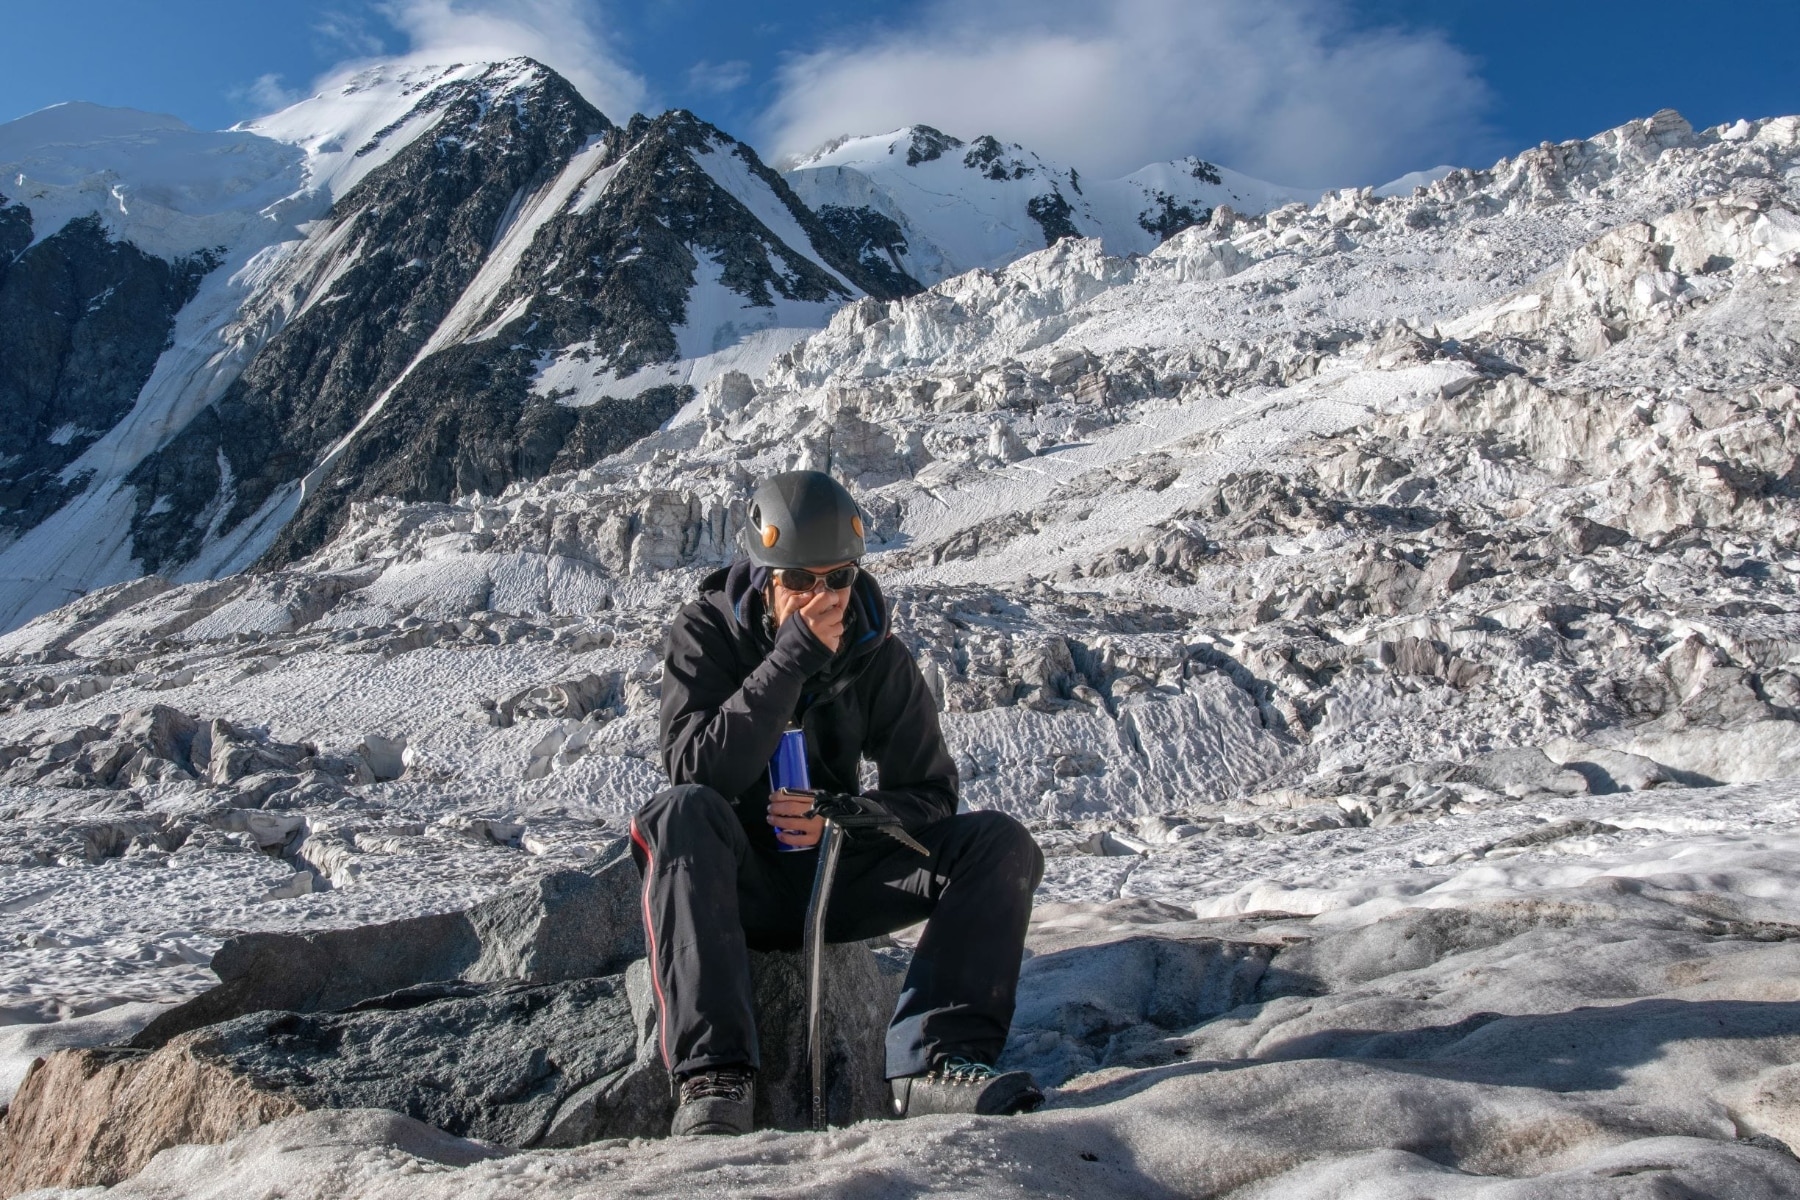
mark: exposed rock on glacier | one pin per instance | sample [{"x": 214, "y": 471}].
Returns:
[
  {"x": 439, "y": 1024},
  {"x": 491, "y": 1062},
  {"x": 859, "y": 991},
  {"x": 555, "y": 1065},
  {"x": 564, "y": 926}
]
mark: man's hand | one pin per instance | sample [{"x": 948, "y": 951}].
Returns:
[
  {"x": 824, "y": 613},
  {"x": 822, "y": 609},
  {"x": 793, "y": 828}
]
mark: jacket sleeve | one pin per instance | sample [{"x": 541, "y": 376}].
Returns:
[
  {"x": 915, "y": 775},
  {"x": 716, "y": 731}
]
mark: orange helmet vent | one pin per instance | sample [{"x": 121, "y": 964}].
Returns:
[
  {"x": 856, "y": 524},
  {"x": 769, "y": 535}
]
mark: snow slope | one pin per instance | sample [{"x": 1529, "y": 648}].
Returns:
[{"x": 155, "y": 182}]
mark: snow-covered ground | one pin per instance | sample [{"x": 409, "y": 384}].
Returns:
[
  {"x": 1606, "y": 1013},
  {"x": 1405, "y": 588}
]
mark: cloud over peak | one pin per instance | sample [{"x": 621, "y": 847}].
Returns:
[
  {"x": 568, "y": 36},
  {"x": 1290, "y": 92}
]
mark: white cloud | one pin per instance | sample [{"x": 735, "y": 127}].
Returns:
[
  {"x": 568, "y": 36},
  {"x": 347, "y": 33},
  {"x": 715, "y": 79},
  {"x": 1286, "y": 91},
  {"x": 266, "y": 94}
]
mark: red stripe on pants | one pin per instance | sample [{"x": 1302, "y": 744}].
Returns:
[{"x": 662, "y": 1005}]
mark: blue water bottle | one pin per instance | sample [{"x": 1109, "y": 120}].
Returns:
[{"x": 788, "y": 770}]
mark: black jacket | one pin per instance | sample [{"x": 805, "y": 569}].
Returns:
[{"x": 729, "y": 690}]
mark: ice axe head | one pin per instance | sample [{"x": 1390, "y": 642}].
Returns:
[{"x": 849, "y": 813}]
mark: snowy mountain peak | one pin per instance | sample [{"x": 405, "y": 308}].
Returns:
[
  {"x": 359, "y": 120},
  {"x": 957, "y": 205}
]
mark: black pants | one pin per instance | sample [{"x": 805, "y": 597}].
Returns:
[{"x": 710, "y": 896}]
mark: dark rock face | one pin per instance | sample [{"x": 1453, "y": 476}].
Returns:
[
  {"x": 555, "y": 1064},
  {"x": 495, "y": 1064},
  {"x": 989, "y": 157},
  {"x": 83, "y": 320},
  {"x": 547, "y": 1064},
  {"x": 929, "y": 145},
  {"x": 15, "y": 233},
  {"x": 860, "y": 991},
  {"x": 616, "y": 276},
  {"x": 420, "y": 226},
  {"x": 1054, "y": 214},
  {"x": 1170, "y": 217},
  {"x": 614, "y": 279},
  {"x": 465, "y": 423},
  {"x": 875, "y": 240}
]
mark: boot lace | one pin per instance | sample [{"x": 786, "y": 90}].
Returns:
[
  {"x": 722, "y": 1083},
  {"x": 963, "y": 1071}
]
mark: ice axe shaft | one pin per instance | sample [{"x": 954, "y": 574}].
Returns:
[
  {"x": 840, "y": 813},
  {"x": 831, "y": 840}
]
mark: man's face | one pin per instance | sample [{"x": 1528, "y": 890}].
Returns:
[{"x": 822, "y": 608}]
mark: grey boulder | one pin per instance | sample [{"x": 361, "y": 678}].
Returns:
[
  {"x": 564, "y": 925},
  {"x": 858, "y": 997}
]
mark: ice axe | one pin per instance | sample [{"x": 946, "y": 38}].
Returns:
[{"x": 842, "y": 814}]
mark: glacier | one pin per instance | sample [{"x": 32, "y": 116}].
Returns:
[{"x": 1400, "y": 588}]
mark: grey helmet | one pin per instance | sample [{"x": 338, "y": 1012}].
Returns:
[{"x": 802, "y": 519}]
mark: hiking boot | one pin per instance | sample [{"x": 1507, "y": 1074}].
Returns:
[
  {"x": 717, "y": 1101},
  {"x": 956, "y": 1085}
]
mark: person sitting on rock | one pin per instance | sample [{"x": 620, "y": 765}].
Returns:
[{"x": 798, "y": 633}]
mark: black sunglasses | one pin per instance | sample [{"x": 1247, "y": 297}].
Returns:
[{"x": 799, "y": 579}]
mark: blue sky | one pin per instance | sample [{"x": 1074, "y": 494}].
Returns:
[{"x": 1305, "y": 91}]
